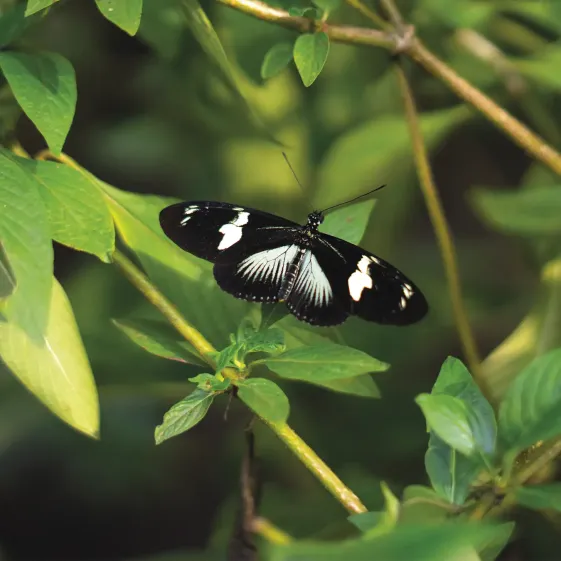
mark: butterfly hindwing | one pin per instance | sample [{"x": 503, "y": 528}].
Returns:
[
  {"x": 207, "y": 228},
  {"x": 375, "y": 290}
]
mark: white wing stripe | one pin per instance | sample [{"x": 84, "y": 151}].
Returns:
[
  {"x": 268, "y": 266},
  {"x": 312, "y": 283}
]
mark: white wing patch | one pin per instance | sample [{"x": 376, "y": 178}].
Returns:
[
  {"x": 268, "y": 266},
  {"x": 233, "y": 230},
  {"x": 188, "y": 212},
  {"x": 312, "y": 283},
  {"x": 360, "y": 279}
]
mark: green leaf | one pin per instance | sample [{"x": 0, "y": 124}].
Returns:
[
  {"x": 529, "y": 212},
  {"x": 540, "y": 497},
  {"x": 27, "y": 245},
  {"x": 365, "y": 521},
  {"x": 490, "y": 550},
  {"x": 451, "y": 474},
  {"x": 430, "y": 542},
  {"x": 184, "y": 415},
  {"x": 210, "y": 383},
  {"x": 268, "y": 341},
  {"x": 543, "y": 67},
  {"x": 531, "y": 408},
  {"x": 365, "y": 156},
  {"x": 159, "y": 339},
  {"x": 276, "y": 60},
  {"x": 461, "y": 428},
  {"x": 125, "y": 14},
  {"x": 34, "y": 6},
  {"x": 390, "y": 516},
  {"x": 323, "y": 362},
  {"x": 362, "y": 386},
  {"x": 44, "y": 85},
  {"x": 228, "y": 357},
  {"x": 77, "y": 213},
  {"x": 12, "y": 24},
  {"x": 310, "y": 53},
  {"x": 307, "y": 12},
  {"x": 55, "y": 369},
  {"x": 265, "y": 398},
  {"x": 422, "y": 504},
  {"x": 349, "y": 222}
]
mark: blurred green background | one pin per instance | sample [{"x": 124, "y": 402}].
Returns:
[{"x": 155, "y": 116}]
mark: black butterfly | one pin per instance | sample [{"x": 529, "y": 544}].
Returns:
[{"x": 262, "y": 257}]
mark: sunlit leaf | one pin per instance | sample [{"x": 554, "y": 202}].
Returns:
[
  {"x": 55, "y": 369},
  {"x": 26, "y": 242},
  {"x": 34, "y": 6},
  {"x": 44, "y": 85}
]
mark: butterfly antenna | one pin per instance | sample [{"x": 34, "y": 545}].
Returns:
[
  {"x": 297, "y": 180},
  {"x": 352, "y": 200}
]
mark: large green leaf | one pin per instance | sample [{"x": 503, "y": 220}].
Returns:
[
  {"x": 184, "y": 415},
  {"x": 455, "y": 423},
  {"x": 450, "y": 472},
  {"x": 12, "y": 24},
  {"x": 310, "y": 54},
  {"x": 34, "y": 6},
  {"x": 366, "y": 155},
  {"x": 125, "y": 14},
  {"x": 539, "y": 497},
  {"x": 77, "y": 213},
  {"x": 25, "y": 237},
  {"x": 429, "y": 542},
  {"x": 535, "y": 211},
  {"x": 362, "y": 386},
  {"x": 327, "y": 361},
  {"x": 44, "y": 85},
  {"x": 7, "y": 278},
  {"x": 349, "y": 222},
  {"x": 531, "y": 409},
  {"x": 55, "y": 369},
  {"x": 265, "y": 398}
]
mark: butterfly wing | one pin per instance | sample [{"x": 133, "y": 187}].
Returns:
[
  {"x": 257, "y": 269},
  {"x": 207, "y": 228},
  {"x": 367, "y": 286}
]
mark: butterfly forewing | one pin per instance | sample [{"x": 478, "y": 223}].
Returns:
[
  {"x": 374, "y": 289},
  {"x": 207, "y": 229}
]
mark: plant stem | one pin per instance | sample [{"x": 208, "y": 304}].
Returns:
[
  {"x": 270, "y": 532},
  {"x": 338, "y": 33},
  {"x": 537, "y": 463},
  {"x": 370, "y": 14},
  {"x": 306, "y": 455},
  {"x": 520, "y": 134},
  {"x": 394, "y": 15},
  {"x": 441, "y": 229}
]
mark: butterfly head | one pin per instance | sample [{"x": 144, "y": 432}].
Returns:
[{"x": 315, "y": 218}]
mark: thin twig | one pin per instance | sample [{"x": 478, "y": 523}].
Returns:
[
  {"x": 270, "y": 532},
  {"x": 441, "y": 229}
]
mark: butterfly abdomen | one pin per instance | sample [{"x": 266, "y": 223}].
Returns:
[{"x": 291, "y": 275}]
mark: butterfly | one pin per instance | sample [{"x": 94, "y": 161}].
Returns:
[{"x": 262, "y": 257}]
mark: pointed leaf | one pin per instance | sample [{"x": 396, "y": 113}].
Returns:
[
  {"x": 184, "y": 415},
  {"x": 268, "y": 341},
  {"x": 531, "y": 409},
  {"x": 529, "y": 212},
  {"x": 24, "y": 233},
  {"x": 323, "y": 362},
  {"x": 265, "y": 398},
  {"x": 125, "y": 14},
  {"x": 349, "y": 222},
  {"x": 34, "y": 6},
  {"x": 44, "y": 85},
  {"x": 77, "y": 213},
  {"x": 455, "y": 423},
  {"x": 56, "y": 369},
  {"x": 540, "y": 497},
  {"x": 451, "y": 474},
  {"x": 276, "y": 60},
  {"x": 310, "y": 54},
  {"x": 159, "y": 339}
]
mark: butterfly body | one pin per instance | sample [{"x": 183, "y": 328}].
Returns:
[{"x": 262, "y": 257}]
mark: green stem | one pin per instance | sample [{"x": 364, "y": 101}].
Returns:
[
  {"x": 441, "y": 229},
  {"x": 537, "y": 463},
  {"x": 306, "y": 455}
]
